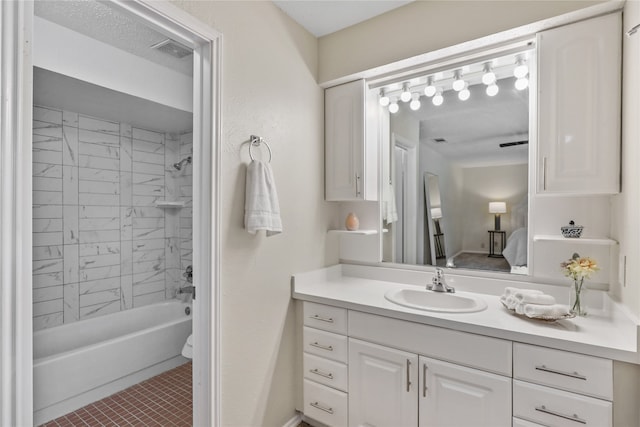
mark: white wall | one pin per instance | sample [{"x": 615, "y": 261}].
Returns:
[
  {"x": 269, "y": 89},
  {"x": 490, "y": 184}
]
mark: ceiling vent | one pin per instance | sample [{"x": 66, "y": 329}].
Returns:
[
  {"x": 439, "y": 140},
  {"x": 173, "y": 48}
]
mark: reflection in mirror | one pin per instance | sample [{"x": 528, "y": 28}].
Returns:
[{"x": 448, "y": 156}]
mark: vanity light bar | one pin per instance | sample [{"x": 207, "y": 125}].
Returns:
[{"x": 486, "y": 72}]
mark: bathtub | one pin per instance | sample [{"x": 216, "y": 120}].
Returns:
[{"x": 81, "y": 362}]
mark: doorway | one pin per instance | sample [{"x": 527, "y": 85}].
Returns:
[{"x": 17, "y": 145}]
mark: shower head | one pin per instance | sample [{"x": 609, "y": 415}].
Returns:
[{"x": 181, "y": 163}]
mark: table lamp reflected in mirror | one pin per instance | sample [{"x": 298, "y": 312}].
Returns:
[{"x": 497, "y": 208}]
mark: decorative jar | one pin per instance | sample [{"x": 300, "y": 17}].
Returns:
[{"x": 352, "y": 223}]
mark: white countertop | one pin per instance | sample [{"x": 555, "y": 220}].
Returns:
[{"x": 605, "y": 332}]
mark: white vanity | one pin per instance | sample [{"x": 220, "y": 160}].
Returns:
[{"x": 369, "y": 361}]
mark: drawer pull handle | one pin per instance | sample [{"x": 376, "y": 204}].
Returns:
[
  {"x": 573, "y": 417},
  {"x": 566, "y": 374},
  {"x": 321, "y": 347},
  {"x": 322, "y": 408},
  {"x": 408, "y": 375},
  {"x": 322, "y": 319},
  {"x": 322, "y": 374},
  {"x": 424, "y": 380}
]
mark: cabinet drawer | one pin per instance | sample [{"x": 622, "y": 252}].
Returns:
[
  {"x": 325, "y": 371},
  {"x": 557, "y": 408},
  {"x": 325, "y": 344},
  {"x": 588, "y": 375},
  {"x": 325, "y": 317},
  {"x": 325, "y": 404}
]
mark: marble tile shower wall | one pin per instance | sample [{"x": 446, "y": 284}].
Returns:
[{"x": 100, "y": 244}]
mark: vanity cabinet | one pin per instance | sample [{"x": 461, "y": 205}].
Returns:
[
  {"x": 350, "y": 162},
  {"x": 579, "y": 98},
  {"x": 363, "y": 369}
]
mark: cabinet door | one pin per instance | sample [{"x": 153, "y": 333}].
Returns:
[
  {"x": 579, "y": 107},
  {"x": 452, "y": 395},
  {"x": 344, "y": 141},
  {"x": 383, "y": 384}
]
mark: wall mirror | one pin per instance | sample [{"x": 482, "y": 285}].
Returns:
[{"x": 455, "y": 165}]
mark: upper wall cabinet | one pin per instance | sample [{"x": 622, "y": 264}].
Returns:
[
  {"x": 350, "y": 163},
  {"x": 579, "y": 107}
]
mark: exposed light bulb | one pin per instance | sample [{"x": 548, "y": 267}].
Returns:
[
  {"x": 415, "y": 102},
  {"x": 464, "y": 94},
  {"x": 489, "y": 77},
  {"x": 458, "y": 82},
  {"x": 430, "y": 90},
  {"x": 522, "y": 83},
  {"x": 492, "y": 89},
  {"x": 405, "y": 96},
  {"x": 394, "y": 107},
  {"x": 521, "y": 69},
  {"x": 384, "y": 99},
  {"x": 438, "y": 99}
]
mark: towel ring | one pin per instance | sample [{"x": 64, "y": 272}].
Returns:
[{"x": 257, "y": 140}]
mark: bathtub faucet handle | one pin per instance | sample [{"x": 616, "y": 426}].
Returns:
[{"x": 188, "y": 274}]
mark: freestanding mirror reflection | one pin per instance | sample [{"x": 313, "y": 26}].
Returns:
[{"x": 448, "y": 156}]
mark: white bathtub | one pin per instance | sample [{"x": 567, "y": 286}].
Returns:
[{"x": 78, "y": 363}]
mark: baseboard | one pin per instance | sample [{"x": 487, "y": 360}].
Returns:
[{"x": 294, "y": 421}]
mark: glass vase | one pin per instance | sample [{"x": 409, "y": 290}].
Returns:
[{"x": 577, "y": 302}]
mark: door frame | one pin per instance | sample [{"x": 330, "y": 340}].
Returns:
[
  {"x": 16, "y": 88},
  {"x": 411, "y": 208}
]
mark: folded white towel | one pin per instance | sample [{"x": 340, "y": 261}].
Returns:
[
  {"x": 509, "y": 301},
  {"x": 540, "y": 299},
  {"x": 545, "y": 311},
  {"x": 511, "y": 291},
  {"x": 261, "y": 206}
]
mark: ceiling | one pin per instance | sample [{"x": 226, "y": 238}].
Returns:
[
  {"x": 474, "y": 129},
  {"x": 103, "y": 23},
  {"x": 322, "y": 17}
]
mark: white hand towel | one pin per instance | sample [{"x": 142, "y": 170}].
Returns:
[
  {"x": 261, "y": 206},
  {"x": 546, "y": 311},
  {"x": 389, "y": 211}
]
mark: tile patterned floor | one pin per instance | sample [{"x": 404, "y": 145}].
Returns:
[{"x": 162, "y": 401}]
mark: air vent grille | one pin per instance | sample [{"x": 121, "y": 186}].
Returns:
[{"x": 173, "y": 48}]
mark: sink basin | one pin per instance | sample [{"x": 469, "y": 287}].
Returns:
[{"x": 441, "y": 302}]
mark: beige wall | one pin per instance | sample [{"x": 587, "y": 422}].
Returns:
[
  {"x": 269, "y": 89},
  {"x": 425, "y": 26},
  {"x": 625, "y": 221}
]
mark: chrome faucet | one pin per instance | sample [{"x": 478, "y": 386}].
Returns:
[{"x": 438, "y": 284}]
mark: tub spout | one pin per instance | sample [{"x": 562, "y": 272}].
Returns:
[{"x": 188, "y": 290}]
